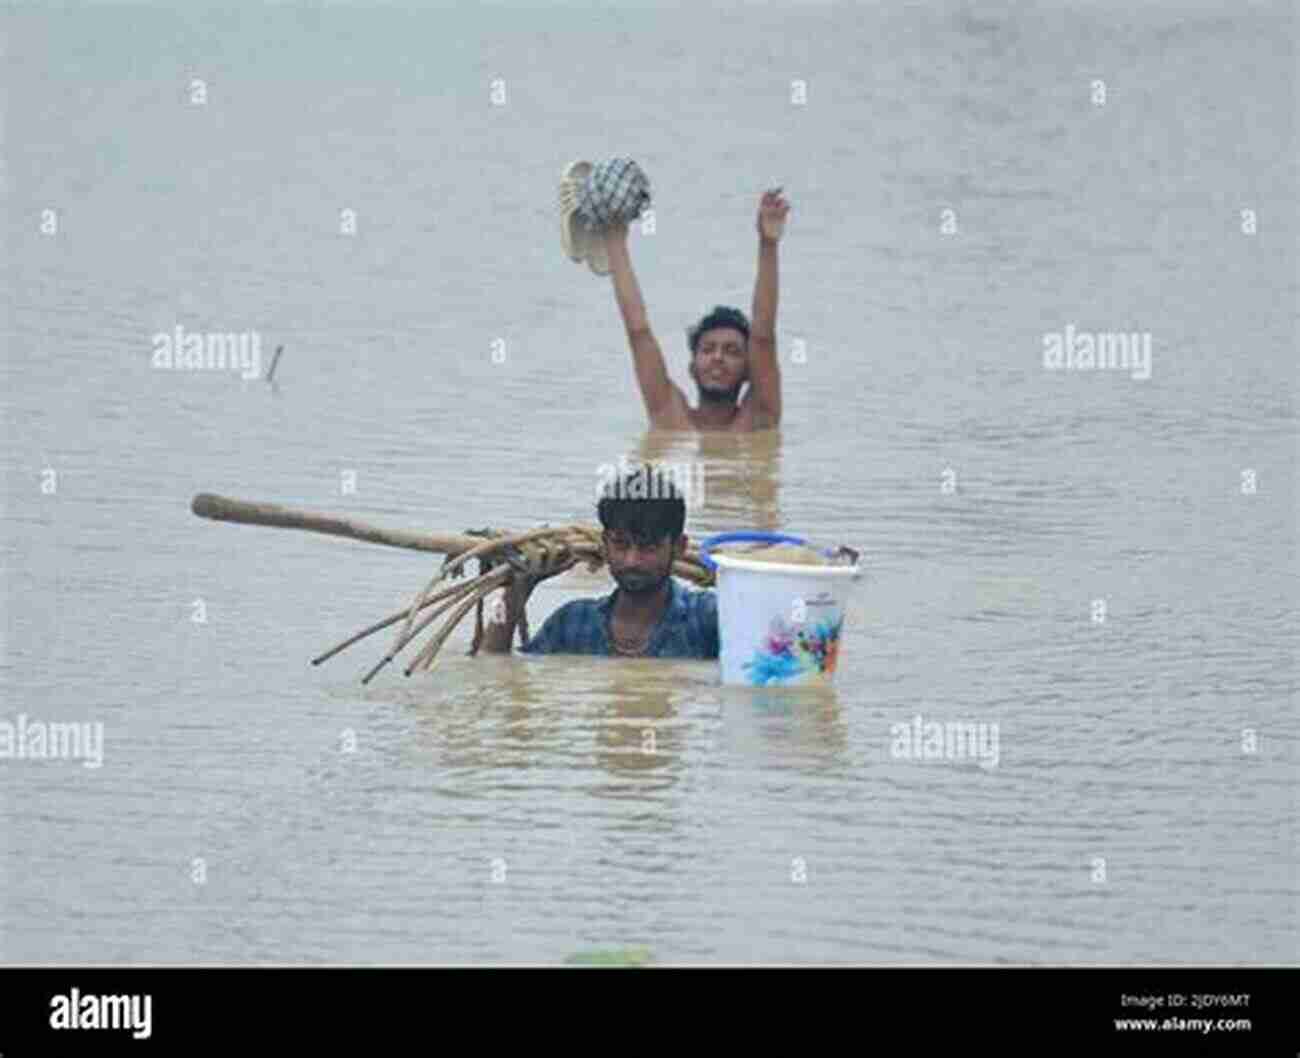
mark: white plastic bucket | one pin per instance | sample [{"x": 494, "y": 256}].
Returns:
[{"x": 778, "y": 624}]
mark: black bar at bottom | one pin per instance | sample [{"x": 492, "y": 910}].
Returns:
[{"x": 160, "y": 1010}]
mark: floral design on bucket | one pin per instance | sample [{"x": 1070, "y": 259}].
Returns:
[{"x": 794, "y": 652}]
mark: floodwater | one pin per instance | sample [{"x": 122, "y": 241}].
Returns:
[{"x": 1099, "y": 567}]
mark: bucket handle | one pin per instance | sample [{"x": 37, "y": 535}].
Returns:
[{"x": 748, "y": 536}]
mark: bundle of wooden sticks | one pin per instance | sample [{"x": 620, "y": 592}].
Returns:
[{"x": 546, "y": 551}]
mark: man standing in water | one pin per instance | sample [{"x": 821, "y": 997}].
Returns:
[
  {"x": 726, "y": 350},
  {"x": 649, "y": 614}
]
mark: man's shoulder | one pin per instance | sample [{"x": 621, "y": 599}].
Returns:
[
  {"x": 697, "y": 606},
  {"x": 695, "y": 629},
  {"x": 697, "y": 598}
]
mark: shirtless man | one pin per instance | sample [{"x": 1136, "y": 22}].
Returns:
[{"x": 726, "y": 350}]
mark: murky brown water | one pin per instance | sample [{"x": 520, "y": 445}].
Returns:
[{"x": 251, "y": 808}]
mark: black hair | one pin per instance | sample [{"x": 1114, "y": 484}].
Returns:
[
  {"x": 721, "y": 316},
  {"x": 644, "y": 504}
]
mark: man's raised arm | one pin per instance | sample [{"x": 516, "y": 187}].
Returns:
[
  {"x": 764, "y": 369},
  {"x": 664, "y": 402}
]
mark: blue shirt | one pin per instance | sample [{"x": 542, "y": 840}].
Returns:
[{"x": 687, "y": 629}]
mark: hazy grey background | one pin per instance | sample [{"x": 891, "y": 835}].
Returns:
[{"x": 1121, "y": 741}]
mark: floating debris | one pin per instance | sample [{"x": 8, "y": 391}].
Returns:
[{"x": 611, "y": 957}]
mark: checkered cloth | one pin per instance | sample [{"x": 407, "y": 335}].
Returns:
[{"x": 616, "y": 190}]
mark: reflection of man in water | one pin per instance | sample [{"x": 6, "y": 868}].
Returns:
[
  {"x": 649, "y": 614},
  {"x": 727, "y": 351}
]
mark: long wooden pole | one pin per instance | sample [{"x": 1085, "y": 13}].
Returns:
[{"x": 224, "y": 509}]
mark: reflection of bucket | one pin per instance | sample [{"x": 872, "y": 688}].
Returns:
[{"x": 778, "y": 624}]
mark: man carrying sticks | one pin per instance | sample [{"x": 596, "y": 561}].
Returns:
[
  {"x": 649, "y": 614},
  {"x": 726, "y": 350}
]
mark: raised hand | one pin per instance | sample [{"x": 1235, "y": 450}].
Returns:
[{"x": 772, "y": 211}]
